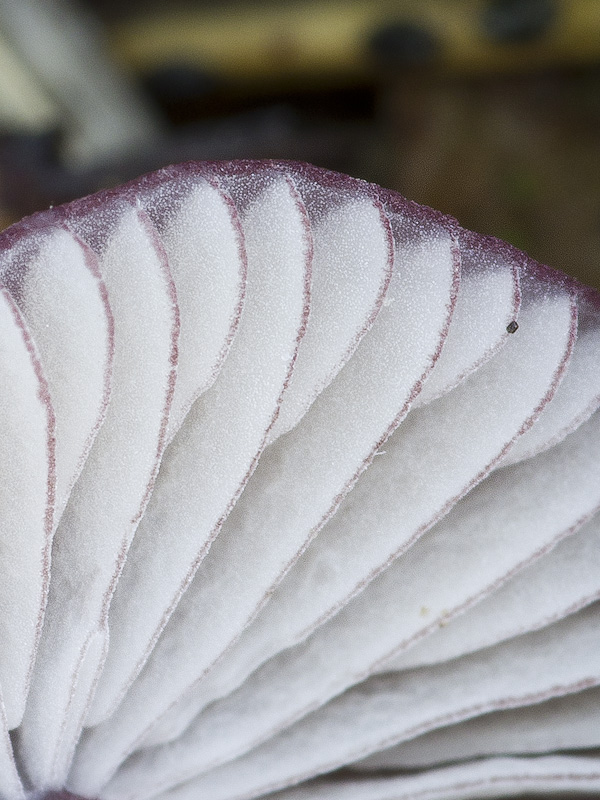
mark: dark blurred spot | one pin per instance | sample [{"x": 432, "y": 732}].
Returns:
[
  {"x": 512, "y": 327},
  {"x": 202, "y": 97},
  {"x": 515, "y": 21},
  {"x": 177, "y": 83},
  {"x": 403, "y": 44}
]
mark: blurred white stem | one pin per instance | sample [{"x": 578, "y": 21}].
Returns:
[{"x": 63, "y": 47}]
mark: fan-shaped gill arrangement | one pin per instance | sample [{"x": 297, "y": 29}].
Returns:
[{"x": 299, "y": 496}]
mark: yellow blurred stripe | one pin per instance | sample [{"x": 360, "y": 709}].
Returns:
[{"x": 315, "y": 40}]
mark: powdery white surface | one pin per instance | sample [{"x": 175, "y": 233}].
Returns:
[
  {"x": 204, "y": 246},
  {"x": 208, "y": 463},
  {"x": 497, "y": 777},
  {"x": 343, "y": 429},
  {"x": 63, "y": 300},
  {"x": 479, "y": 543},
  {"x": 202, "y": 236},
  {"x": 391, "y": 708},
  {"x": 61, "y": 295},
  {"x": 427, "y": 465},
  {"x": 342, "y": 559},
  {"x": 405, "y": 499},
  {"x": 488, "y": 300},
  {"x": 288, "y": 617},
  {"x": 26, "y": 499},
  {"x": 375, "y": 523},
  {"x": 554, "y": 586},
  {"x": 578, "y": 395},
  {"x": 564, "y": 723},
  {"x": 329, "y": 448},
  {"x": 108, "y": 499},
  {"x": 351, "y": 269}
]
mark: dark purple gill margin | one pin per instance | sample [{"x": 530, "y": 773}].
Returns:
[
  {"x": 558, "y": 375},
  {"x": 22, "y": 238},
  {"x": 178, "y": 185},
  {"x": 425, "y": 216},
  {"x": 347, "y": 189},
  {"x": 428, "y": 216},
  {"x": 399, "y": 205},
  {"x": 116, "y": 208},
  {"x": 248, "y": 169},
  {"x": 44, "y": 397},
  {"x": 94, "y": 202},
  {"x": 19, "y": 238},
  {"x": 215, "y": 531},
  {"x": 541, "y": 276},
  {"x": 443, "y": 619},
  {"x": 135, "y": 192},
  {"x": 210, "y": 170},
  {"x": 441, "y": 721},
  {"x": 91, "y": 262},
  {"x": 468, "y": 712},
  {"x": 565, "y": 778},
  {"x": 570, "y": 286},
  {"x": 477, "y": 244}
]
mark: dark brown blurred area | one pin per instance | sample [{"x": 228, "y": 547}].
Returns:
[{"x": 486, "y": 109}]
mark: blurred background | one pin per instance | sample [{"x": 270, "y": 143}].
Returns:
[{"x": 486, "y": 109}]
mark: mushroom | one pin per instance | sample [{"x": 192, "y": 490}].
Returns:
[{"x": 300, "y": 492}]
